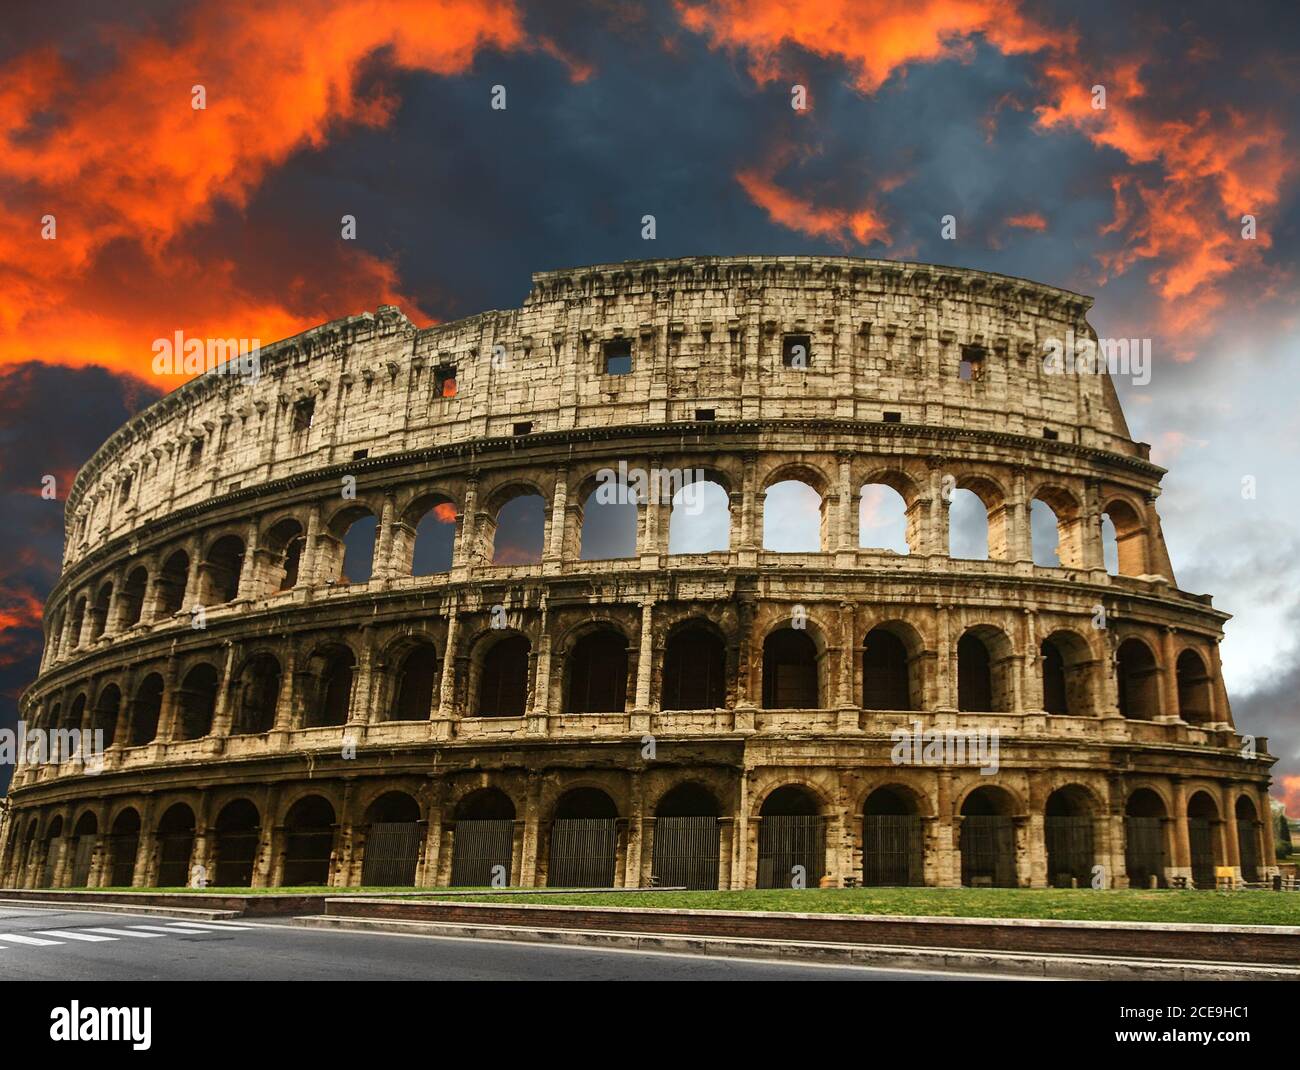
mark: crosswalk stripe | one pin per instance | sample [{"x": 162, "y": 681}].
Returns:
[
  {"x": 31, "y": 941},
  {"x": 67, "y": 934},
  {"x": 125, "y": 932},
  {"x": 193, "y": 925},
  {"x": 167, "y": 932}
]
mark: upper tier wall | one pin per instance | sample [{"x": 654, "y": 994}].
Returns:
[{"x": 705, "y": 333}]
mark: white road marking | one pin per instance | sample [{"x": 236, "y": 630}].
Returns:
[
  {"x": 67, "y": 934},
  {"x": 126, "y": 932},
  {"x": 31, "y": 941},
  {"x": 169, "y": 932},
  {"x": 193, "y": 926}
]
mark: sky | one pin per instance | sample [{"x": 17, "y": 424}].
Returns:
[{"x": 225, "y": 220}]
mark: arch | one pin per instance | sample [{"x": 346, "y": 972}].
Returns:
[
  {"x": 393, "y": 836},
  {"x": 331, "y": 669},
  {"x": 221, "y": 571},
  {"x": 700, "y": 519},
  {"x": 1195, "y": 701},
  {"x": 609, "y": 523},
  {"x": 123, "y": 846},
  {"x": 893, "y": 839},
  {"x": 85, "y": 841},
  {"x": 890, "y": 672},
  {"x": 99, "y": 612},
  {"x": 584, "y": 840},
  {"x": 431, "y": 519},
  {"x": 171, "y": 584},
  {"x": 356, "y": 529},
  {"x": 791, "y": 839},
  {"x": 1055, "y": 528},
  {"x": 694, "y": 669},
  {"x": 485, "y": 804},
  {"x": 518, "y": 527},
  {"x": 1066, "y": 660},
  {"x": 257, "y": 693},
  {"x": 687, "y": 838},
  {"x": 503, "y": 678},
  {"x": 1137, "y": 676},
  {"x": 284, "y": 541},
  {"x": 793, "y": 517},
  {"x": 1130, "y": 540},
  {"x": 78, "y": 622},
  {"x": 197, "y": 702},
  {"x": 1203, "y": 836},
  {"x": 416, "y": 679},
  {"x": 133, "y": 589},
  {"x": 969, "y": 534},
  {"x": 483, "y": 839},
  {"x": 50, "y": 852},
  {"x": 1249, "y": 838},
  {"x": 175, "y": 845},
  {"x": 76, "y": 714},
  {"x": 104, "y": 718},
  {"x": 882, "y": 518},
  {"x": 238, "y": 832},
  {"x": 308, "y": 842},
  {"x": 988, "y": 839},
  {"x": 984, "y": 672},
  {"x": 1068, "y": 829},
  {"x": 790, "y": 671},
  {"x": 146, "y": 710},
  {"x": 596, "y": 676}
]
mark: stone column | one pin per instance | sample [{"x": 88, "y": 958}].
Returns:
[
  {"x": 641, "y": 711},
  {"x": 1182, "y": 860},
  {"x": 740, "y": 870},
  {"x": 532, "y": 832},
  {"x": 193, "y": 576},
  {"x": 1169, "y": 708},
  {"x": 1231, "y": 843},
  {"x": 385, "y": 567},
  {"x": 141, "y": 872},
  {"x": 937, "y": 536},
  {"x": 223, "y": 712},
  {"x": 554, "y": 557},
  {"x": 537, "y": 716},
  {"x": 845, "y": 541},
  {"x": 249, "y": 580},
  {"x": 309, "y": 559},
  {"x": 447, "y": 712}
]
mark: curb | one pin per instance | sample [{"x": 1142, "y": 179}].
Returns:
[
  {"x": 193, "y": 913},
  {"x": 1009, "y": 964}
]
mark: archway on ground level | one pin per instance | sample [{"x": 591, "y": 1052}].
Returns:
[
  {"x": 257, "y": 691},
  {"x": 694, "y": 673},
  {"x": 123, "y": 846},
  {"x": 236, "y": 844},
  {"x": 893, "y": 840},
  {"x": 1145, "y": 839},
  {"x": 414, "y": 695},
  {"x": 394, "y": 833},
  {"x": 988, "y": 840},
  {"x": 1203, "y": 838},
  {"x": 483, "y": 840},
  {"x": 597, "y": 673},
  {"x": 1195, "y": 704},
  {"x": 146, "y": 710},
  {"x": 790, "y": 676},
  {"x": 85, "y": 839},
  {"x": 1249, "y": 844},
  {"x": 503, "y": 678},
  {"x": 791, "y": 839},
  {"x": 886, "y": 673},
  {"x": 175, "y": 845},
  {"x": 1137, "y": 676},
  {"x": 686, "y": 839},
  {"x": 308, "y": 842},
  {"x": 584, "y": 840},
  {"x": 50, "y": 853},
  {"x": 1068, "y": 829}
]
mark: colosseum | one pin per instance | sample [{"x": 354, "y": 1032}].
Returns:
[{"x": 502, "y": 602}]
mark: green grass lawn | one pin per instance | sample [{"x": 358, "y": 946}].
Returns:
[
  {"x": 1240, "y": 908},
  {"x": 312, "y": 889}
]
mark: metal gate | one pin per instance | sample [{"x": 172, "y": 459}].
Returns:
[
  {"x": 786, "y": 841},
  {"x": 893, "y": 850},
  {"x": 988, "y": 851},
  {"x": 392, "y": 853},
  {"x": 236, "y": 853},
  {"x": 686, "y": 852},
  {"x": 479, "y": 846},
  {"x": 1144, "y": 851},
  {"x": 1070, "y": 853},
  {"x": 307, "y": 856},
  {"x": 82, "y": 859},
  {"x": 122, "y": 852},
  {"x": 583, "y": 851},
  {"x": 1248, "y": 844},
  {"x": 174, "y": 859},
  {"x": 1200, "y": 834}
]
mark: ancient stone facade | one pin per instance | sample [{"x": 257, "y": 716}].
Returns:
[{"x": 284, "y": 701}]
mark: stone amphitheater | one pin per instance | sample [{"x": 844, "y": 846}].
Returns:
[{"x": 346, "y": 620}]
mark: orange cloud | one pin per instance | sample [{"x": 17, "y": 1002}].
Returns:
[
  {"x": 835, "y": 224},
  {"x": 1289, "y": 794},
  {"x": 127, "y": 165},
  {"x": 1028, "y": 221}
]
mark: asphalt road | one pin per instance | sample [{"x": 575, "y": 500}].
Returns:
[{"x": 49, "y": 944}]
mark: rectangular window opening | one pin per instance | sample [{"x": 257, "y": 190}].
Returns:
[
  {"x": 303, "y": 413},
  {"x": 1049, "y": 434},
  {"x": 618, "y": 356},
  {"x": 444, "y": 381},
  {"x": 893, "y": 417},
  {"x": 705, "y": 414},
  {"x": 972, "y": 363},
  {"x": 796, "y": 350},
  {"x": 196, "y": 453},
  {"x": 360, "y": 455},
  {"x": 524, "y": 427}
]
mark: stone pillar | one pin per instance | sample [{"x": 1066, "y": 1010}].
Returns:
[
  {"x": 1037, "y": 833},
  {"x": 149, "y": 607},
  {"x": 249, "y": 581},
  {"x": 359, "y": 701},
  {"x": 845, "y": 541},
  {"x": 447, "y": 712},
  {"x": 937, "y": 535},
  {"x": 142, "y": 872},
  {"x": 644, "y": 667},
  {"x": 223, "y": 712},
  {"x": 532, "y": 832},
  {"x": 193, "y": 576},
  {"x": 740, "y": 870},
  {"x": 537, "y": 716},
  {"x": 635, "y": 831},
  {"x": 286, "y": 699},
  {"x": 945, "y": 664},
  {"x": 947, "y": 850},
  {"x": 309, "y": 559},
  {"x": 428, "y": 877},
  {"x": 1231, "y": 843},
  {"x": 385, "y": 567},
  {"x": 1169, "y": 708},
  {"x": 1182, "y": 859},
  {"x": 554, "y": 557}
]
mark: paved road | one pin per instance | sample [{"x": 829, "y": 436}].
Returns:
[{"x": 45, "y": 944}]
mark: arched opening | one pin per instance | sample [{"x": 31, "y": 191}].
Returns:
[
  {"x": 790, "y": 678},
  {"x": 791, "y": 839},
  {"x": 331, "y": 668},
  {"x": 686, "y": 839},
  {"x": 236, "y": 844},
  {"x": 503, "y": 678},
  {"x": 175, "y": 845},
  {"x": 695, "y": 667},
  {"x": 50, "y": 853},
  {"x": 198, "y": 702},
  {"x": 483, "y": 840},
  {"x": 308, "y": 842},
  {"x": 99, "y": 612},
  {"x": 584, "y": 840},
  {"x": 416, "y": 677},
  {"x": 893, "y": 840},
  {"x": 1129, "y": 551},
  {"x": 132, "y": 608},
  {"x": 146, "y": 710},
  {"x": 887, "y": 682},
  {"x": 433, "y": 520},
  {"x": 1067, "y": 674},
  {"x": 1138, "y": 679},
  {"x": 257, "y": 692},
  {"x": 123, "y": 846},
  {"x": 519, "y": 530},
  {"x": 104, "y": 718},
  {"x": 78, "y": 622},
  {"x": 76, "y": 713},
  {"x": 357, "y": 528},
  {"x": 1054, "y": 694},
  {"x": 1203, "y": 838},
  {"x": 968, "y": 526},
  {"x": 609, "y": 519},
  {"x": 983, "y": 671},
  {"x": 1194, "y": 702},
  {"x": 85, "y": 840},
  {"x": 394, "y": 833},
  {"x": 1068, "y": 829},
  {"x": 1044, "y": 534},
  {"x": 988, "y": 840},
  {"x": 284, "y": 542},
  {"x": 1248, "y": 839},
  {"x": 221, "y": 571},
  {"x": 882, "y": 519},
  {"x": 700, "y": 521},
  {"x": 597, "y": 676},
  {"x": 1145, "y": 853},
  {"x": 792, "y": 518},
  {"x": 171, "y": 584}
]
